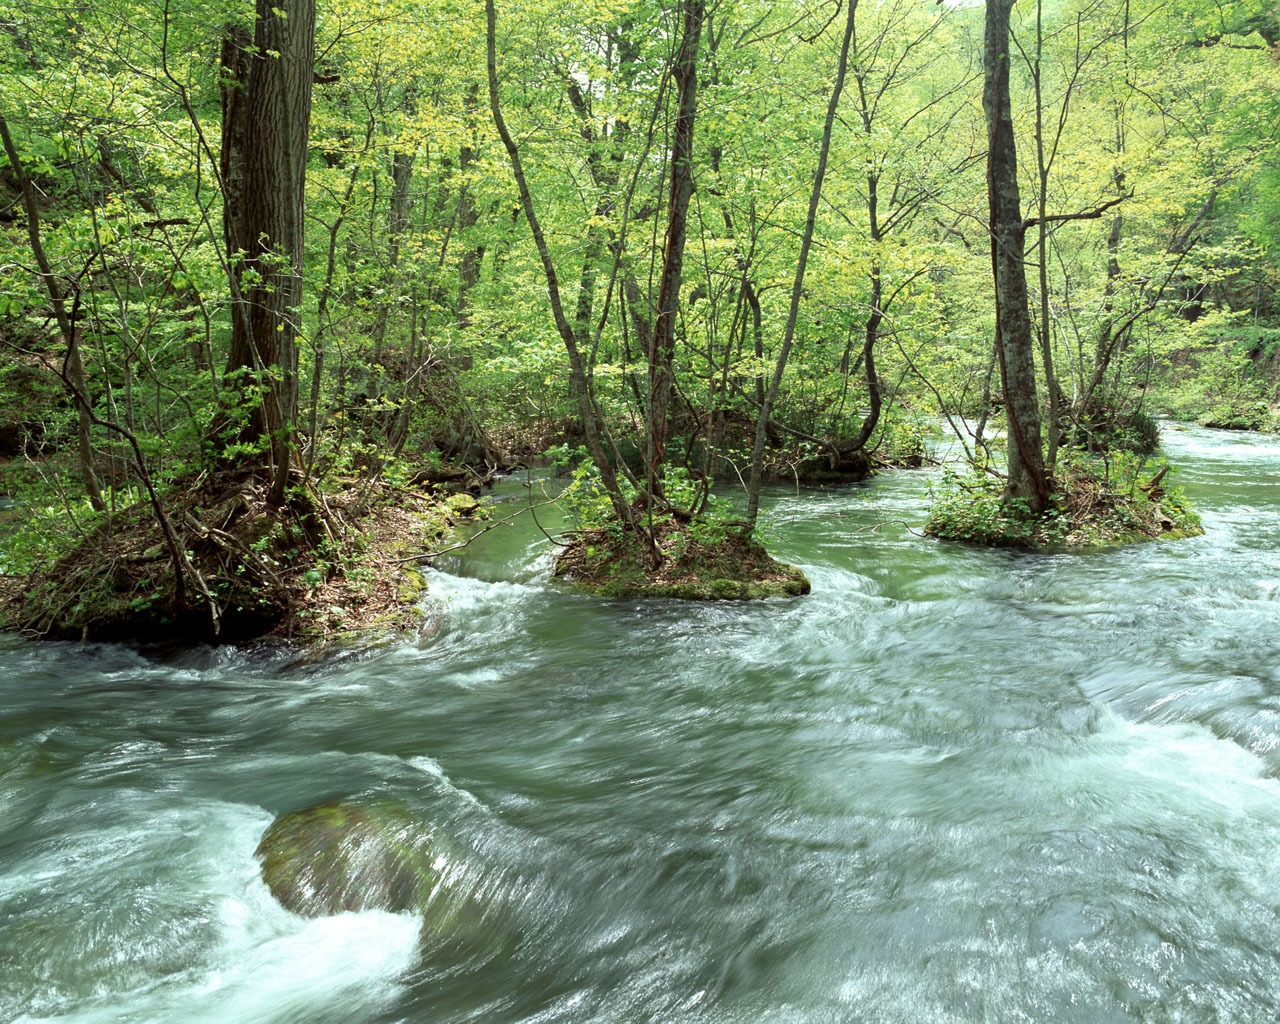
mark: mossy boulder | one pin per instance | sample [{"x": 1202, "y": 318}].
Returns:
[
  {"x": 336, "y": 857},
  {"x": 463, "y": 504},
  {"x": 342, "y": 856}
]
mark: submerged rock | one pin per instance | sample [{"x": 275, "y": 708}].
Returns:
[
  {"x": 342, "y": 856},
  {"x": 336, "y": 857}
]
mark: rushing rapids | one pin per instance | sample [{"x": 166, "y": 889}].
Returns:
[{"x": 950, "y": 785}]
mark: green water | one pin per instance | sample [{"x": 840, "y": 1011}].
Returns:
[{"x": 950, "y": 785}]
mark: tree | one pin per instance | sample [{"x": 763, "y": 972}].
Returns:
[
  {"x": 572, "y": 336},
  {"x": 73, "y": 364},
  {"x": 896, "y": 54},
  {"x": 662, "y": 337},
  {"x": 802, "y": 261},
  {"x": 655, "y": 318},
  {"x": 266, "y": 117},
  {"x": 1014, "y": 343}
]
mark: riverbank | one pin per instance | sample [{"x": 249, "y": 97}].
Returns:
[{"x": 220, "y": 564}]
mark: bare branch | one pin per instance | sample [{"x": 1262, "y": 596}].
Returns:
[{"x": 1059, "y": 218}]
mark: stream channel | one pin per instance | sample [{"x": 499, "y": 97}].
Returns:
[{"x": 950, "y": 785}]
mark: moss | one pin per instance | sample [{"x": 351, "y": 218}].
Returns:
[
  {"x": 413, "y": 584},
  {"x": 742, "y": 590},
  {"x": 696, "y": 564},
  {"x": 463, "y": 504},
  {"x": 342, "y": 856},
  {"x": 315, "y": 570},
  {"x": 336, "y": 857},
  {"x": 1091, "y": 509}
]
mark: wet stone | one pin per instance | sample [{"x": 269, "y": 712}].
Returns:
[{"x": 335, "y": 857}]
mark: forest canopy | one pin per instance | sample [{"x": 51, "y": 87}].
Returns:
[{"x": 264, "y": 255}]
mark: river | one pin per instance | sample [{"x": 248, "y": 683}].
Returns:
[{"x": 951, "y": 785}]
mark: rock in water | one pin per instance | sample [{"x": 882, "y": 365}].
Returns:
[
  {"x": 338, "y": 856},
  {"x": 343, "y": 856}
]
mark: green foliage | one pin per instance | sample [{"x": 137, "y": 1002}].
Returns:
[
  {"x": 1140, "y": 434},
  {"x": 1227, "y": 379},
  {"x": 427, "y": 335},
  {"x": 38, "y": 529},
  {"x": 712, "y": 521},
  {"x": 585, "y": 499},
  {"x": 695, "y": 567},
  {"x": 901, "y": 439},
  {"x": 1110, "y": 430},
  {"x": 1116, "y": 498},
  {"x": 972, "y": 508}
]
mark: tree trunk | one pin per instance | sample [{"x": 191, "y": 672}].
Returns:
[
  {"x": 662, "y": 344},
  {"x": 1054, "y": 394},
  {"x": 66, "y": 326},
  {"x": 765, "y": 413},
  {"x": 871, "y": 335},
  {"x": 468, "y": 218},
  {"x": 1109, "y": 340},
  {"x": 875, "y": 318},
  {"x": 266, "y": 117},
  {"x": 1015, "y": 346}
]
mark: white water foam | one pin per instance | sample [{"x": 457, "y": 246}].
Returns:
[{"x": 257, "y": 963}]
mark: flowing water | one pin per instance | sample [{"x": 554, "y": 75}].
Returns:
[{"x": 950, "y": 785}]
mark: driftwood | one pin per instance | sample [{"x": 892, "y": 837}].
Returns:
[{"x": 1152, "y": 487}]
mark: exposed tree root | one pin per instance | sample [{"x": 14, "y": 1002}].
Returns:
[{"x": 318, "y": 565}]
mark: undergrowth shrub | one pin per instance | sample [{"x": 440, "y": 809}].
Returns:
[{"x": 1115, "y": 498}]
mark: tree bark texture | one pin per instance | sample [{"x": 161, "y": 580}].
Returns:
[
  {"x": 662, "y": 344},
  {"x": 468, "y": 218},
  {"x": 1015, "y": 347},
  {"x": 266, "y": 117}
]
